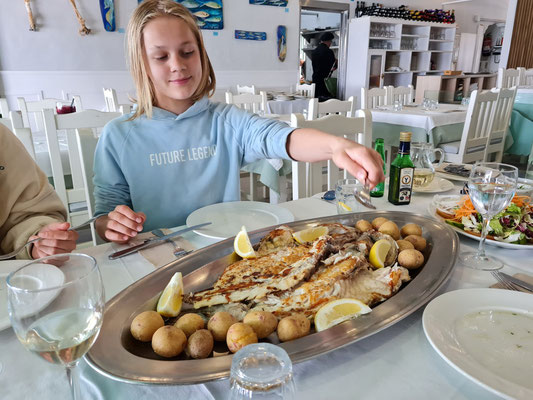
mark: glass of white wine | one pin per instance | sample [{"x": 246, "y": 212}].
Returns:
[
  {"x": 491, "y": 188},
  {"x": 56, "y": 307}
]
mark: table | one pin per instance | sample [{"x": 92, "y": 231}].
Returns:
[
  {"x": 396, "y": 363},
  {"x": 522, "y": 123},
  {"x": 284, "y": 107}
]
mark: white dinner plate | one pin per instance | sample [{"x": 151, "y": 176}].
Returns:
[
  {"x": 487, "y": 335},
  {"x": 453, "y": 177},
  {"x": 228, "y": 218},
  {"x": 51, "y": 276},
  {"x": 437, "y": 185},
  {"x": 450, "y": 199}
]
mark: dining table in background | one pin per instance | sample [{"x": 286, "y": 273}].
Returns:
[
  {"x": 521, "y": 126},
  {"x": 397, "y": 362},
  {"x": 286, "y": 107}
]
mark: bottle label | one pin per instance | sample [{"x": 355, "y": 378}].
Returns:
[{"x": 406, "y": 184}]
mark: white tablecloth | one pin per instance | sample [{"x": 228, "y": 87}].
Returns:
[
  {"x": 287, "y": 106},
  {"x": 396, "y": 363}
]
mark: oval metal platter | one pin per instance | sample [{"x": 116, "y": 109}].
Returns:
[{"x": 118, "y": 356}]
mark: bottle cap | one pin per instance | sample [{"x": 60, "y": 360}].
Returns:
[
  {"x": 405, "y": 136},
  {"x": 379, "y": 140}
]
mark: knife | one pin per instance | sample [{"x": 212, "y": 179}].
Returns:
[
  {"x": 150, "y": 242},
  {"x": 518, "y": 282}
]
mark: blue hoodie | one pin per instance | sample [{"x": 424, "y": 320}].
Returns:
[{"x": 170, "y": 165}]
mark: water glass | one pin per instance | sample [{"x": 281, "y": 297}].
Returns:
[
  {"x": 261, "y": 371},
  {"x": 433, "y": 105},
  {"x": 465, "y": 101},
  {"x": 426, "y": 104},
  {"x": 344, "y": 196},
  {"x": 398, "y": 106}
]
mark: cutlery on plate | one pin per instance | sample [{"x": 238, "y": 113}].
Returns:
[
  {"x": 153, "y": 241},
  {"x": 502, "y": 276},
  {"x": 178, "y": 251}
]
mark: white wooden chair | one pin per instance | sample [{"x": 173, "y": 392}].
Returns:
[
  {"x": 307, "y": 178},
  {"x": 242, "y": 89},
  {"x": 502, "y": 118},
  {"x": 256, "y": 103},
  {"x": 403, "y": 94},
  {"x": 525, "y": 76},
  {"x": 111, "y": 102},
  {"x": 373, "y": 98},
  {"x": 476, "y": 131},
  {"x": 345, "y": 108},
  {"x": 73, "y": 199},
  {"x": 307, "y": 90},
  {"x": 23, "y": 134},
  {"x": 507, "y": 78},
  {"x": 4, "y": 108},
  {"x": 31, "y": 110}
]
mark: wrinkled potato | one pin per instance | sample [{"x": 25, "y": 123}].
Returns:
[
  {"x": 377, "y": 222},
  {"x": 262, "y": 322},
  {"x": 293, "y": 327},
  {"x": 404, "y": 245},
  {"x": 219, "y": 324},
  {"x": 390, "y": 228},
  {"x": 418, "y": 241},
  {"x": 240, "y": 335},
  {"x": 411, "y": 229},
  {"x": 363, "y": 225},
  {"x": 410, "y": 258},
  {"x": 169, "y": 341},
  {"x": 200, "y": 344},
  {"x": 145, "y": 324},
  {"x": 190, "y": 323}
]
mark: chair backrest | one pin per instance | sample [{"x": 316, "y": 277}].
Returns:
[
  {"x": 345, "y": 108},
  {"x": 23, "y": 134},
  {"x": 4, "y": 108},
  {"x": 241, "y": 89},
  {"x": 507, "y": 78},
  {"x": 252, "y": 102},
  {"x": 307, "y": 90},
  {"x": 502, "y": 117},
  {"x": 36, "y": 107},
  {"x": 73, "y": 199},
  {"x": 307, "y": 178},
  {"x": 111, "y": 102},
  {"x": 403, "y": 94},
  {"x": 375, "y": 97},
  {"x": 525, "y": 76}
]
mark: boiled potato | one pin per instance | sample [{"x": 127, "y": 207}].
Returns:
[
  {"x": 410, "y": 258},
  {"x": 190, "y": 323},
  {"x": 390, "y": 228},
  {"x": 169, "y": 341},
  {"x": 145, "y": 324},
  {"x": 200, "y": 344},
  {"x": 404, "y": 244},
  {"x": 377, "y": 222},
  {"x": 262, "y": 322},
  {"x": 293, "y": 327},
  {"x": 418, "y": 241},
  {"x": 240, "y": 335},
  {"x": 219, "y": 324},
  {"x": 411, "y": 229},
  {"x": 363, "y": 225}
]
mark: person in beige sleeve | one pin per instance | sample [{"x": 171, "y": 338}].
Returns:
[{"x": 29, "y": 206}]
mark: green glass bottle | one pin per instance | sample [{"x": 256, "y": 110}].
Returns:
[
  {"x": 379, "y": 189},
  {"x": 401, "y": 173}
]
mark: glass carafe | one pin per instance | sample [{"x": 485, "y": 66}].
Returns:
[{"x": 422, "y": 155}]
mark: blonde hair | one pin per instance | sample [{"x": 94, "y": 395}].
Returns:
[{"x": 144, "y": 13}]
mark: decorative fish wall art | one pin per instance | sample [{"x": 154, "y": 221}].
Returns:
[
  {"x": 282, "y": 42},
  {"x": 275, "y": 3},
  {"x": 107, "y": 8},
  {"x": 248, "y": 35},
  {"x": 208, "y": 13}
]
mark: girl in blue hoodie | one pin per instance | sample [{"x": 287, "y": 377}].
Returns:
[{"x": 177, "y": 151}]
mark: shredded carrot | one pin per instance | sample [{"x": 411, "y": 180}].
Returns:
[{"x": 466, "y": 207}]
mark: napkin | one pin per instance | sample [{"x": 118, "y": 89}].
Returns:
[
  {"x": 163, "y": 253},
  {"x": 523, "y": 277}
]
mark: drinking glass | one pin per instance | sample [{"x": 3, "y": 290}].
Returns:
[
  {"x": 261, "y": 371},
  {"x": 398, "y": 106},
  {"x": 491, "y": 188},
  {"x": 56, "y": 307},
  {"x": 344, "y": 196}
]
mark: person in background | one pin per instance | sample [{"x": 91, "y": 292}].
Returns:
[
  {"x": 323, "y": 60},
  {"x": 177, "y": 151},
  {"x": 29, "y": 206}
]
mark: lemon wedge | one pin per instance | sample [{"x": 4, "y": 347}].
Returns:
[
  {"x": 337, "y": 311},
  {"x": 345, "y": 206},
  {"x": 169, "y": 304},
  {"x": 242, "y": 244},
  {"x": 378, "y": 253},
  {"x": 310, "y": 235}
]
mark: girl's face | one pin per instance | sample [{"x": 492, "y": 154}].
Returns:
[{"x": 172, "y": 60}]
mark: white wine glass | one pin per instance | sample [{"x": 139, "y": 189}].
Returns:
[
  {"x": 491, "y": 187},
  {"x": 56, "y": 307}
]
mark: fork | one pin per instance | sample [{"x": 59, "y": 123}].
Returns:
[
  {"x": 178, "y": 251},
  {"x": 506, "y": 284}
]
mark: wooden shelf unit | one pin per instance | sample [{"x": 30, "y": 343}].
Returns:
[{"x": 447, "y": 85}]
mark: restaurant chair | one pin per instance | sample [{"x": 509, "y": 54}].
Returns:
[
  {"x": 373, "y": 98},
  {"x": 476, "y": 131},
  {"x": 507, "y": 78},
  {"x": 345, "y": 108},
  {"x": 242, "y": 89},
  {"x": 22, "y": 133},
  {"x": 403, "y": 94},
  {"x": 4, "y": 108},
  {"x": 111, "y": 102},
  {"x": 31, "y": 110},
  {"x": 500, "y": 126},
  {"x": 308, "y": 178},
  {"x": 256, "y": 103},
  {"x": 525, "y": 76},
  {"x": 307, "y": 90}
]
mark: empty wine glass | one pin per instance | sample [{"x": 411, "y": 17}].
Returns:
[
  {"x": 491, "y": 188},
  {"x": 56, "y": 307}
]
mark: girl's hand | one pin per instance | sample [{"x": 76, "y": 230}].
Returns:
[
  {"x": 120, "y": 225},
  {"x": 57, "y": 239},
  {"x": 363, "y": 163}
]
